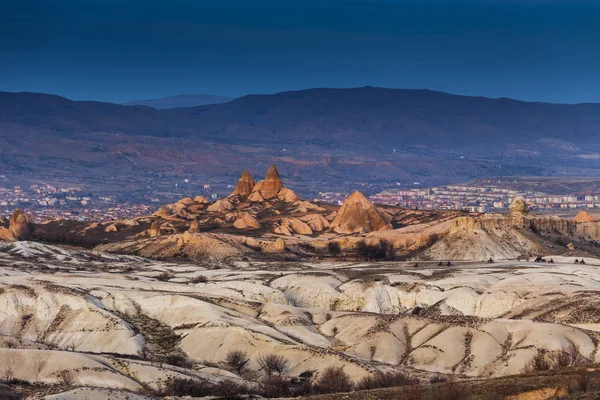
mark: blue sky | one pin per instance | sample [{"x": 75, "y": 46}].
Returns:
[{"x": 547, "y": 50}]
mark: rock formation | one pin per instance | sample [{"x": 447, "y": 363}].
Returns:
[
  {"x": 201, "y": 200},
  {"x": 287, "y": 195},
  {"x": 271, "y": 185},
  {"x": 289, "y": 226},
  {"x": 359, "y": 215},
  {"x": 518, "y": 206},
  {"x": 19, "y": 227},
  {"x": 163, "y": 212},
  {"x": 316, "y": 222},
  {"x": 220, "y": 206},
  {"x": 194, "y": 227},
  {"x": 245, "y": 221},
  {"x": 583, "y": 216},
  {"x": 256, "y": 197},
  {"x": 154, "y": 229},
  {"x": 244, "y": 186}
]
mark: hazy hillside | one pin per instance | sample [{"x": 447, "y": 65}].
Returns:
[
  {"x": 182, "y": 100},
  {"x": 326, "y": 136}
]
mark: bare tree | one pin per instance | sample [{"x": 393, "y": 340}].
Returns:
[
  {"x": 272, "y": 364},
  {"x": 334, "y": 380},
  {"x": 67, "y": 377},
  {"x": 238, "y": 361}
]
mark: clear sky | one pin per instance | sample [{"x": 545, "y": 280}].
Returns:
[{"x": 119, "y": 50}]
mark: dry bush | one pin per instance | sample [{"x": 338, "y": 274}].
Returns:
[
  {"x": 581, "y": 382},
  {"x": 199, "y": 279},
  {"x": 67, "y": 377},
  {"x": 334, "y": 380},
  {"x": 560, "y": 359},
  {"x": 451, "y": 390},
  {"x": 386, "y": 380},
  {"x": 272, "y": 364},
  {"x": 229, "y": 390},
  {"x": 334, "y": 248},
  {"x": 165, "y": 276},
  {"x": 238, "y": 361},
  {"x": 275, "y": 386},
  {"x": 187, "y": 387}
]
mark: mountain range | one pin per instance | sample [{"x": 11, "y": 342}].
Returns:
[
  {"x": 182, "y": 100},
  {"x": 324, "y": 136}
]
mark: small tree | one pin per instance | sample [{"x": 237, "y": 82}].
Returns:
[
  {"x": 334, "y": 248},
  {"x": 272, "y": 364},
  {"x": 66, "y": 377},
  {"x": 334, "y": 380},
  {"x": 238, "y": 361}
]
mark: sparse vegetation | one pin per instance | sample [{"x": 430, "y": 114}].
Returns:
[
  {"x": 555, "y": 360},
  {"x": 383, "y": 250},
  {"x": 272, "y": 364},
  {"x": 237, "y": 361},
  {"x": 199, "y": 279},
  {"x": 334, "y": 380},
  {"x": 67, "y": 377},
  {"x": 386, "y": 380},
  {"x": 334, "y": 248}
]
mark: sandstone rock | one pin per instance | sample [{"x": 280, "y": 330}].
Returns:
[
  {"x": 358, "y": 215},
  {"x": 288, "y": 226},
  {"x": 194, "y": 227},
  {"x": 274, "y": 247},
  {"x": 220, "y": 206},
  {"x": 518, "y": 206},
  {"x": 256, "y": 197},
  {"x": 201, "y": 200},
  {"x": 583, "y": 216},
  {"x": 251, "y": 242},
  {"x": 306, "y": 206},
  {"x": 5, "y": 234},
  {"x": 245, "y": 221},
  {"x": 316, "y": 222},
  {"x": 163, "y": 212},
  {"x": 20, "y": 225},
  {"x": 244, "y": 186},
  {"x": 154, "y": 229},
  {"x": 287, "y": 195},
  {"x": 111, "y": 228},
  {"x": 271, "y": 185},
  {"x": 571, "y": 246}
]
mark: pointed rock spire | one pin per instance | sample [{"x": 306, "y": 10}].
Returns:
[
  {"x": 271, "y": 184},
  {"x": 244, "y": 186},
  {"x": 359, "y": 215}
]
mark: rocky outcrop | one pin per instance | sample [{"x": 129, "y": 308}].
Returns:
[
  {"x": 583, "y": 216},
  {"x": 201, "y": 200},
  {"x": 359, "y": 215},
  {"x": 194, "y": 227},
  {"x": 111, "y": 228},
  {"x": 246, "y": 221},
  {"x": 289, "y": 226},
  {"x": 271, "y": 185},
  {"x": 19, "y": 227},
  {"x": 316, "y": 222},
  {"x": 244, "y": 186},
  {"x": 220, "y": 206},
  {"x": 154, "y": 229},
  {"x": 287, "y": 195},
  {"x": 256, "y": 197},
  {"x": 518, "y": 206},
  {"x": 163, "y": 212}
]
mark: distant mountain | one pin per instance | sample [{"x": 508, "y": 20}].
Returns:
[
  {"x": 328, "y": 136},
  {"x": 182, "y": 100}
]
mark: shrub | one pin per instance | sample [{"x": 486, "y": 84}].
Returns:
[
  {"x": 581, "y": 382},
  {"x": 334, "y": 248},
  {"x": 381, "y": 251},
  {"x": 237, "y": 361},
  {"x": 67, "y": 377},
  {"x": 179, "y": 361},
  {"x": 452, "y": 390},
  {"x": 165, "y": 276},
  {"x": 385, "y": 380},
  {"x": 561, "y": 359},
  {"x": 199, "y": 279},
  {"x": 272, "y": 364},
  {"x": 187, "y": 387},
  {"x": 334, "y": 380}
]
